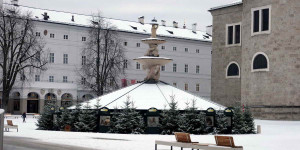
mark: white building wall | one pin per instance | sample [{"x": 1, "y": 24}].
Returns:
[{"x": 74, "y": 44}]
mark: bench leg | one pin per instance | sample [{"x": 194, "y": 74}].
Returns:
[
  {"x": 155, "y": 146},
  {"x": 171, "y": 147},
  {"x": 181, "y": 148}
]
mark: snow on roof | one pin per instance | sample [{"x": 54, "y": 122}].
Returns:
[
  {"x": 236, "y": 2},
  {"x": 121, "y": 25},
  {"x": 145, "y": 96}
]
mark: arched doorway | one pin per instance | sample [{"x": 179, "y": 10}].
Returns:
[
  {"x": 50, "y": 99},
  {"x": 87, "y": 97},
  {"x": 66, "y": 100},
  {"x": 33, "y": 102},
  {"x": 16, "y": 101}
]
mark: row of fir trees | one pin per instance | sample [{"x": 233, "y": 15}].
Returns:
[{"x": 130, "y": 121}]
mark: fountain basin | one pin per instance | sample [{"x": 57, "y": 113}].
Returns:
[{"x": 149, "y": 61}]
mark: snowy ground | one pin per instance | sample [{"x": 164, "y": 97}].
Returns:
[{"x": 276, "y": 135}]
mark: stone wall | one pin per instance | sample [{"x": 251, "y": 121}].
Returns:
[
  {"x": 280, "y": 86},
  {"x": 225, "y": 91}
]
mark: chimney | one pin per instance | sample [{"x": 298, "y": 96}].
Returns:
[
  {"x": 194, "y": 27},
  {"x": 163, "y": 22},
  {"x": 175, "y": 24},
  {"x": 14, "y": 2},
  {"x": 141, "y": 20},
  {"x": 209, "y": 30},
  {"x": 72, "y": 18},
  {"x": 184, "y": 26},
  {"x": 46, "y": 17}
]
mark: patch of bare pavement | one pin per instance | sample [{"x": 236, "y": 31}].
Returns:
[{"x": 17, "y": 143}]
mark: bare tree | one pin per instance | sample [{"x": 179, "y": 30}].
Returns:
[
  {"x": 20, "y": 49},
  {"x": 103, "y": 57}
]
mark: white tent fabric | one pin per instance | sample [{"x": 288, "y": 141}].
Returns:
[{"x": 147, "y": 95}]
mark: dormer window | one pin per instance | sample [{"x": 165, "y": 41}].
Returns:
[
  {"x": 133, "y": 27},
  {"x": 261, "y": 20},
  {"x": 171, "y": 32}
]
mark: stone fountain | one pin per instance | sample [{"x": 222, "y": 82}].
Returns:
[{"x": 151, "y": 61}]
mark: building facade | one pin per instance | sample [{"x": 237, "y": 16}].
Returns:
[
  {"x": 256, "y": 57},
  {"x": 65, "y": 35}
]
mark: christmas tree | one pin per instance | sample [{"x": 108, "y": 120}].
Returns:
[
  {"x": 249, "y": 121},
  {"x": 221, "y": 123},
  {"x": 64, "y": 119},
  {"x": 170, "y": 118},
  {"x": 45, "y": 121},
  {"x": 238, "y": 123},
  {"x": 128, "y": 120},
  {"x": 192, "y": 121},
  {"x": 74, "y": 115},
  {"x": 86, "y": 120}
]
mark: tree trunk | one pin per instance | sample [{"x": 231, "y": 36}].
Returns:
[{"x": 5, "y": 98}]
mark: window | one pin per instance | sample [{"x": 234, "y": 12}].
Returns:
[
  {"x": 186, "y": 68},
  {"x": 186, "y": 49},
  {"x": 83, "y": 38},
  {"x": 83, "y": 60},
  {"x": 197, "y": 69},
  {"x": 197, "y": 87},
  {"x": 65, "y": 58},
  {"x": 261, "y": 19},
  {"x": 65, "y": 79},
  {"x": 174, "y": 84},
  {"x": 174, "y": 49},
  {"x": 37, "y": 78},
  {"x": 66, "y": 37},
  {"x": 233, "y": 70},
  {"x": 138, "y": 65},
  {"x": 138, "y": 44},
  {"x": 83, "y": 81},
  {"x": 22, "y": 77},
  {"x": 38, "y": 56},
  {"x": 233, "y": 34},
  {"x": 38, "y": 33},
  {"x": 125, "y": 43},
  {"x": 163, "y": 47},
  {"x": 260, "y": 62},
  {"x": 51, "y": 58},
  {"x": 174, "y": 68},
  {"x": 197, "y": 51},
  {"x": 125, "y": 63},
  {"x": 51, "y": 78},
  {"x": 163, "y": 68},
  {"x": 186, "y": 86},
  {"x": 51, "y": 35}
]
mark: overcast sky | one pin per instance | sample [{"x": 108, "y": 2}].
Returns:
[{"x": 188, "y": 11}]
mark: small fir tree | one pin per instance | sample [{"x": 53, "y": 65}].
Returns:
[
  {"x": 128, "y": 120},
  {"x": 192, "y": 121},
  {"x": 170, "y": 118},
  {"x": 238, "y": 123},
  {"x": 64, "y": 119},
  {"x": 221, "y": 123},
  {"x": 74, "y": 115},
  {"x": 249, "y": 121},
  {"x": 86, "y": 120},
  {"x": 45, "y": 121}
]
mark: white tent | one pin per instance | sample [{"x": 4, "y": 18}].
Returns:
[{"x": 147, "y": 95}]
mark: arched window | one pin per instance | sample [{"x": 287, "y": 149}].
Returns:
[
  {"x": 260, "y": 62},
  {"x": 66, "y": 100},
  {"x": 233, "y": 70}
]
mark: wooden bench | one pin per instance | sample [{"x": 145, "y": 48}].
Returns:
[
  {"x": 10, "y": 125},
  {"x": 183, "y": 140}
]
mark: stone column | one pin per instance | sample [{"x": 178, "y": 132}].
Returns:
[
  {"x": 41, "y": 105},
  {"x": 23, "y": 105}
]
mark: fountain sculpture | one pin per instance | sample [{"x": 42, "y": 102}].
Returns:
[{"x": 151, "y": 61}]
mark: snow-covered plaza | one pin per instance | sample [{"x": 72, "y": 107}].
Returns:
[{"x": 276, "y": 135}]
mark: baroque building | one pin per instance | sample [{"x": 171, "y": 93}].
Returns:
[
  {"x": 256, "y": 57},
  {"x": 65, "y": 34}
]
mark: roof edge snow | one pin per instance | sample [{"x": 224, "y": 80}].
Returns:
[{"x": 227, "y": 5}]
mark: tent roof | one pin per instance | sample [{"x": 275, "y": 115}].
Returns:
[{"x": 147, "y": 95}]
